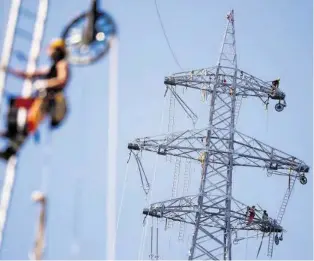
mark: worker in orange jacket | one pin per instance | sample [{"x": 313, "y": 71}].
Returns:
[{"x": 49, "y": 99}]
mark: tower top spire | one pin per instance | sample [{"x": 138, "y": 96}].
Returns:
[
  {"x": 230, "y": 16},
  {"x": 228, "y": 55}
]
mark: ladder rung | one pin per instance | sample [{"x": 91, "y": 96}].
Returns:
[
  {"x": 26, "y": 12},
  {"x": 20, "y": 55},
  {"x": 24, "y": 33}
]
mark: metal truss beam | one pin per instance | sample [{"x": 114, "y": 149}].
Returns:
[
  {"x": 248, "y": 151},
  {"x": 205, "y": 79},
  {"x": 183, "y": 209}
]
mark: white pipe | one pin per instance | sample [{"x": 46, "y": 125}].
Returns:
[
  {"x": 5, "y": 58},
  {"x": 6, "y": 195},
  {"x": 8, "y": 43},
  {"x": 112, "y": 148}
]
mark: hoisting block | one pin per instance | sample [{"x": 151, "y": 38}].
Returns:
[
  {"x": 303, "y": 168},
  {"x": 133, "y": 146},
  {"x": 169, "y": 81},
  {"x": 152, "y": 213}
]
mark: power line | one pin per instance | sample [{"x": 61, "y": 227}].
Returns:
[{"x": 167, "y": 39}]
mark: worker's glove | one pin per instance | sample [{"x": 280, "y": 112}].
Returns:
[{"x": 40, "y": 85}]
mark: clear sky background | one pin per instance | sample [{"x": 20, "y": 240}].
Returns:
[{"x": 274, "y": 39}]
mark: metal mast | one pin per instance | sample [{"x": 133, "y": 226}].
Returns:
[
  {"x": 222, "y": 114},
  {"x": 215, "y": 214},
  {"x": 24, "y": 39}
]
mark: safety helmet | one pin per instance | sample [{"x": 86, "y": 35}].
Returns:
[{"x": 57, "y": 43}]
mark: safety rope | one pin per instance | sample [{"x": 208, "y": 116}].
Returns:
[
  {"x": 126, "y": 175},
  {"x": 149, "y": 198}
]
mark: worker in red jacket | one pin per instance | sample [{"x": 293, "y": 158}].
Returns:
[{"x": 251, "y": 214}]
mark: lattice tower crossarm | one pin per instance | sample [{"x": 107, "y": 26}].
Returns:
[
  {"x": 247, "y": 151},
  {"x": 184, "y": 209},
  {"x": 219, "y": 147}
]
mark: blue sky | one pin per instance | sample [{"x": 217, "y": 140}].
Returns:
[{"x": 274, "y": 39}]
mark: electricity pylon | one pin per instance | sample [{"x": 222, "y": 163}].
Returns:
[{"x": 215, "y": 214}]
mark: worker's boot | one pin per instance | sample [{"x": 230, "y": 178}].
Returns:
[
  {"x": 12, "y": 148},
  {"x": 4, "y": 134},
  {"x": 6, "y": 154}
]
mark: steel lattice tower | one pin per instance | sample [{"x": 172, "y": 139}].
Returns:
[{"x": 219, "y": 147}]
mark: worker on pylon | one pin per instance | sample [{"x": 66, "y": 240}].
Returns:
[
  {"x": 265, "y": 222},
  {"x": 276, "y": 82},
  {"x": 251, "y": 214},
  {"x": 48, "y": 99},
  {"x": 274, "y": 86},
  {"x": 265, "y": 216}
]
